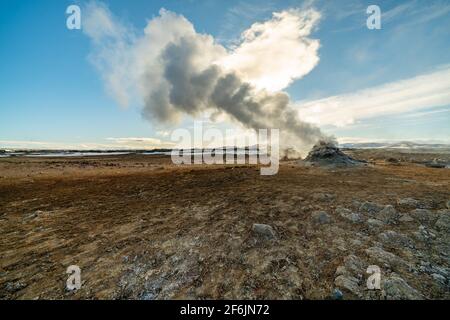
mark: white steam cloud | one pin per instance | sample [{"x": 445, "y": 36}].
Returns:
[{"x": 173, "y": 71}]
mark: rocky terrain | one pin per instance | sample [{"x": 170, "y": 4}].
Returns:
[
  {"x": 141, "y": 228},
  {"x": 326, "y": 154}
]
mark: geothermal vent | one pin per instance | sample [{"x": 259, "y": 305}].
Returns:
[{"x": 326, "y": 154}]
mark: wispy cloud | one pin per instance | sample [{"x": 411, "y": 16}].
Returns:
[
  {"x": 239, "y": 17},
  {"x": 145, "y": 142},
  {"x": 418, "y": 93},
  {"x": 416, "y": 12},
  {"x": 403, "y": 15}
]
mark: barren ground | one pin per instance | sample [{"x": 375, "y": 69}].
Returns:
[{"x": 142, "y": 228}]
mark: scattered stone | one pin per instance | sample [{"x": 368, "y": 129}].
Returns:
[
  {"x": 408, "y": 202},
  {"x": 321, "y": 217},
  {"x": 394, "y": 239},
  {"x": 439, "y": 279},
  {"x": 325, "y": 197},
  {"x": 264, "y": 230},
  {"x": 436, "y": 164},
  {"x": 348, "y": 283},
  {"x": 349, "y": 215},
  {"x": 424, "y": 235},
  {"x": 349, "y": 275},
  {"x": 341, "y": 270},
  {"x": 337, "y": 294},
  {"x": 375, "y": 223},
  {"x": 354, "y": 264},
  {"x": 388, "y": 214},
  {"x": 423, "y": 215},
  {"x": 443, "y": 223},
  {"x": 370, "y": 207},
  {"x": 398, "y": 289},
  {"x": 405, "y": 218},
  {"x": 427, "y": 267},
  {"x": 384, "y": 257},
  {"x": 340, "y": 244},
  {"x": 411, "y": 203},
  {"x": 356, "y": 204},
  {"x": 13, "y": 287},
  {"x": 356, "y": 242}
]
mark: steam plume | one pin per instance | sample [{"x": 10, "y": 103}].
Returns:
[{"x": 172, "y": 70}]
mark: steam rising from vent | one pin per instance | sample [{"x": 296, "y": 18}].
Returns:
[{"x": 173, "y": 71}]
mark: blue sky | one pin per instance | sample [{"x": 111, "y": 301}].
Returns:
[{"x": 52, "y": 95}]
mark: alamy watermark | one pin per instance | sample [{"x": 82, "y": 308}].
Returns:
[
  {"x": 73, "y": 21},
  {"x": 74, "y": 280},
  {"x": 211, "y": 146},
  {"x": 374, "y": 20},
  {"x": 374, "y": 280}
]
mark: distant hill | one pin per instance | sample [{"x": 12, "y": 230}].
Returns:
[{"x": 396, "y": 145}]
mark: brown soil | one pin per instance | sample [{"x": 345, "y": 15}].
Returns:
[{"x": 140, "y": 227}]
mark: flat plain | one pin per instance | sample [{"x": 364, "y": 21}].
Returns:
[{"x": 140, "y": 227}]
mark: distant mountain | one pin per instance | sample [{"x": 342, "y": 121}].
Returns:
[{"x": 395, "y": 145}]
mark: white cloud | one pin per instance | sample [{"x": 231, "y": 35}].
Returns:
[
  {"x": 274, "y": 53},
  {"x": 421, "y": 92},
  {"x": 113, "y": 51},
  {"x": 175, "y": 71},
  {"x": 269, "y": 56}
]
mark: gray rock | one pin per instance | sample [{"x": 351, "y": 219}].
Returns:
[
  {"x": 13, "y": 287},
  {"x": 398, "y": 289},
  {"x": 321, "y": 217},
  {"x": 443, "y": 222},
  {"x": 337, "y": 294},
  {"x": 439, "y": 279},
  {"x": 424, "y": 235},
  {"x": 375, "y": 223},
  {"x": 348, "y": 283},
  {"x": 264, "y": 230},
  {"x": 387, "y": 258},
  {"x": 370, "y": 207},
  {"x": 326, "y": 154},
  {"x": 349, "y": 215},
  {"x": 448, "y": 204},
  {"x": 341, "y": 270},
  {"x": 354, "y": 264},
  {"x": 340, "y": 244},
  {"x": 408, "y": 202},
  {"x": 427, "y": 267},
  {"x": 405, "y": 218},
  {"x": 394, "y": 239},
  {"x": 324, "y": 197},
  {"x": 423, "y": 215},
  {"x": 388, "y": 214}
]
